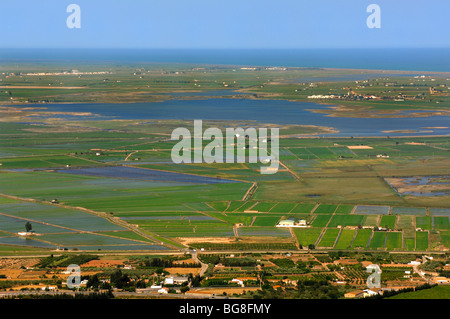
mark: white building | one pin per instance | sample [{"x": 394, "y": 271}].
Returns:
[
  {"x": 286, "y": 223},
  {"x": 237, "y": 281},
  {"x": 156, "y": 286},
  {"x": 292, "y": 223},
  {"x": 163, "y": 291},
  {"x": 174, "y": 280}
]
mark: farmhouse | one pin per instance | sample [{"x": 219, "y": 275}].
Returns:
[
  {"x": 286, "y": 223},
  {"x": 237, "y": 281},
  {"x": 292, "y": 223},
  {"x": 364, "y": 293},
  {"x": 355, "y": 294},
  {"x": 441, "y": 280},
  {"x": 26, "y": 233},
  {"x": 175, "y": 280},
  {"x": 373, "y": 292},
  {"x": 155, "y": 286}
]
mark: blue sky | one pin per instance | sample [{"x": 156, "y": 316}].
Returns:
[{"x": 275, "y": 24}]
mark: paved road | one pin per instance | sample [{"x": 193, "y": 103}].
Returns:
[
  {"x": 204, "y": 266},
  {"x": 121, "y": 294}
]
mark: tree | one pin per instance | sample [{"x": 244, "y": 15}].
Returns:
[
  {"x": 184, "y": 289},
  {"x": 93, "y": 282},
  {"x": 28, "y": 226},
  {"x": 196, "y": 281},
  {"x": 119, "y": 280}
]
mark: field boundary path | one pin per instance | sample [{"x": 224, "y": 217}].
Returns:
[
  {"x": 204, "y": 267},
  {"x": 294, "y": 237},
  {"x": 250, "y": 192},
  {"x": 353, "y": 239},
  {"x": 337, "y": 237},
  {"x": 296, "y": 177}
]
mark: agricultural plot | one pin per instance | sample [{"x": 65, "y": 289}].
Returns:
[
  {"x": 370, "y": 220},
  {"x": 322, "y": 152},
  {"x": 405, "y": 222},
  {"x": 344, "y": 209},
  {"x": 372, "y": 210},
  {"x": 15, "y": 225},
  {"x": 43, "y": 162},
  {"x": 421, "y": 240},
  {"x": 4, "y": 234},
  {"x": 445, "y": 238},
  {"x": 283, "y": 207},
  {"x": 5, "y": 200},
  {"x": 439, "y": 211},
  {"x": 233, "y": 218},
  {"x": 127, "y": 235},
  {"x": 345, "y": 239},
  {"x": 346, "y": 220},
  {"x": 303, "y": 208},
  {"x": 341, "y": 151},
  {"x": 325, "y": 209},
  {"x": 362, "y": 238},
  {"x": 191, "y": 220},
  {"x": 234, "y": 206},
  {"x": 388, "y": 221},
  {"x": 57, "y": 216},
  {"x": 328, "y": 239},
  {"x": 409, "y": 211},
  {"x": 424, "y": 222},
  {"x": 199, "y": 207},
  {"x": 409, "y": 244},
  {"x": 285, "y": 154},
  {"x": 378, "y": 240},
  {"x": 307, "y": 236},
  {"x": 394, "y": 241},
  {"x": 441, "y": 223},
  {"x": 321, "y": 220},
  {"x": 303, "y": 153},
  {"x": 263, "y": 232},
  {"x": 136, "y": 173},
  {"x": 246, "y": 206},
  {"x": 263, "y": 206},
  {"x": 266, "y": 221},
  {"x": 26, "y": 242},
  {"x": 219, "y": 206},
  {"x": 83, "y": 239},
  {"x": 191, "y": 230}
]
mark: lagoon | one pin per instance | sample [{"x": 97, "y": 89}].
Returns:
[{"x": 263, "y": 111}]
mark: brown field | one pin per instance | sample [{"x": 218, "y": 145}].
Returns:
[
  {"x": 183, "y": 271},
  {"x": 16, "y": 263},
  {"x": 32, "y": 275},
  {"x": 359, "y": 147},
  {"x": 104, "y": 263},
  {"x": 185, "y": 261},
  {"x": 11, "y": 273},
  {"x": 40, "y": 286}
]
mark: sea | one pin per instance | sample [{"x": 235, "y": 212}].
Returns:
[{"x": 403, "y": 59}]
